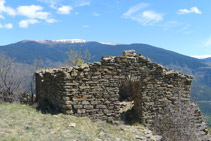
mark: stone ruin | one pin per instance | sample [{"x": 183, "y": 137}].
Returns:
[{"x": 101, "y": 91}]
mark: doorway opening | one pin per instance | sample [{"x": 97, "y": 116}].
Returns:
[{"x": 130, "y": 98}]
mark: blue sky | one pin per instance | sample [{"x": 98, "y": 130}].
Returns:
[{"x": 181, "y": 26}]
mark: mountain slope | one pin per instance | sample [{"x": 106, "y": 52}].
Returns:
[
  {"x": 207, "y": 59},
  {"x": 27, "y": 51}
]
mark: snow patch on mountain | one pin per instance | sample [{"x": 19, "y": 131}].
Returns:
[
  {"x": 70, "y": 41},
  {"x": 108, "y": 43},
  {"x": 59, "y": 41}
]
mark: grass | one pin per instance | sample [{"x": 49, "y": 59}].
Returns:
[{"x": 21, "y": 122}]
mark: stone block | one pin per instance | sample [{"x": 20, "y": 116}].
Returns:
[
  {"x": 88, "y": 107},
  {"x": 101, "y": 106},
  {"x": 85, "y": 102},
  {"x": 81, "y": 111},
  {"x": 78, "y": 106}
]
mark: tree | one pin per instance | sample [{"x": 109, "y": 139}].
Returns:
[
  {"x": 11, "y": 80},
  {"x": 178, "y": 122},
  {"x": 76, "y": 57}
]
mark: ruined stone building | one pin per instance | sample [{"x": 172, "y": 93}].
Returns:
[{"x": 97, "y": 90}]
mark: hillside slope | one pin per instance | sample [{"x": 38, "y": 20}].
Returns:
[{"x": 20, "y": 122}]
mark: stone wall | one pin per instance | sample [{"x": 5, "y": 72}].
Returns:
[{"x": 97, "y": 89}]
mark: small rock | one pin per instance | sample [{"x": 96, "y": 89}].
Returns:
[
  {"x": 117, "y": 139},
  {"x": 97, "y": 139},
  {"x": 102, "y": 134},
  {"x": 55, "y": 116},
  {"x": 72, "y": 124},
  {"x": 26, "y": 127},
  {"x": 140, "y": 138}
]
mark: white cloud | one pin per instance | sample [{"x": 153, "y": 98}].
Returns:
[
  {"x": 51, "y": 21},
  {"x": 33, "y": 12},
  {"x": 85, "y": 26},
  {"x": 96, "y": 14},
  {"x": 135, "y": 9},
  {"x": 2, "y": 17},
  {"x": 27, "y": 22},
  {"x": 7, "y": 26},
  {"x": 146, "y": 18},
  {"x": 52, "y": 3},
  {"x": 191, "y": 10},
  {"x": 149, "y": 18},
  {"x": 83, "y": 4},
  {"x": 208, "y": 42},
  {"x": 64, "y": 10},
  {"x": 201, "y": 56},
  {"x": 184, "y": 28},
  {"x": 171, "y": 25},
  {"x": 5, "y": 9}
]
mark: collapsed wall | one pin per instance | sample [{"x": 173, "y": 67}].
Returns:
[{"x": 96, "y": 90}]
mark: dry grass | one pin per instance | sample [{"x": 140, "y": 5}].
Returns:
[
  {"x": 209, "y": 129},
  {"x": 207, "y": 119},
  {"x": 21, "y": 122}
]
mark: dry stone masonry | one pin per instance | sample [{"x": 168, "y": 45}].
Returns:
[{"x": 97, "y": 90}]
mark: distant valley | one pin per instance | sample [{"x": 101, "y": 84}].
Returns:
[{"x": 54, "y": 51}]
